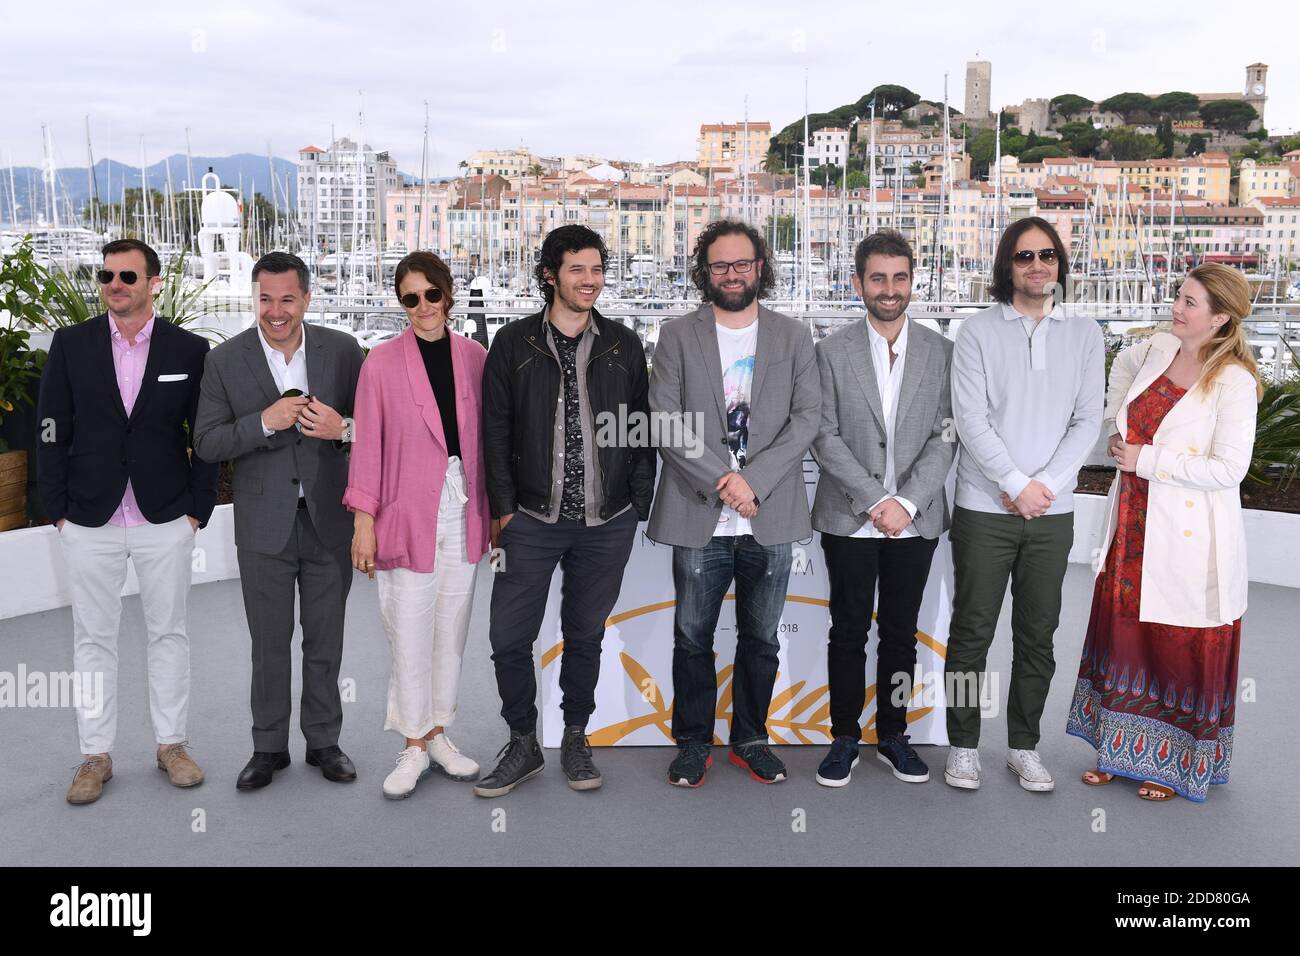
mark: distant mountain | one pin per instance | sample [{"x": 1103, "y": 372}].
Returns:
[{"x": 73, "y": 182}]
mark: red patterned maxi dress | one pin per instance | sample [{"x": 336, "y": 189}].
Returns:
[{"x": 1156, "y": 701}]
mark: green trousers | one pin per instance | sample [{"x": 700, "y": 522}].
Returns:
[{"x": 987, "y": 549}]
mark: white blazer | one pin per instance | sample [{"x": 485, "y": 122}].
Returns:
[{"x": 1194, "y": 559}]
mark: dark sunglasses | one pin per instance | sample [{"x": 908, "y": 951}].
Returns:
[
  {"x": 412, "y": 299},
  {"x": 128, "y": 276},
  {"x": 1027, "y": 255},
  {"x": 294, "y": 393}
]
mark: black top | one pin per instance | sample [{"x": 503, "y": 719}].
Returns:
[
  {"x": 573, "y": 499},
  {"x": 437, "y": 364}
]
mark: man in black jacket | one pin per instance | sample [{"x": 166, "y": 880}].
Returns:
[
  {"x": 117, "y": 395},
  {"x": 563, "y": 494}
]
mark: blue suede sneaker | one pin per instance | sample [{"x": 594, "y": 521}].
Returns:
[
  {"x": 837, "y": 769},
  {"x": 902, "y": 759}
]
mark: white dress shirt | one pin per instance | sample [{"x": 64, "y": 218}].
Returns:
[
  {"x": 889, "y": 381},
  {"x": 287, "y": 375}
]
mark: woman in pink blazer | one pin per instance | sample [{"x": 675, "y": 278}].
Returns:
[
  {"x": 417, "y": 490},
  {"x": 1156, "y": 694}
]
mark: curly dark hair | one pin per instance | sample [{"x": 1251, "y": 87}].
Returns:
[
  {"x": 558, "y": 241},
  {"x": 729, "y": 227}
]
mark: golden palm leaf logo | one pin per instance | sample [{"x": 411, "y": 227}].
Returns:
[{"x": 791, "y": 718}]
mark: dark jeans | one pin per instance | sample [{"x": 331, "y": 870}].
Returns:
[
  {"x": 592, "y": 559},
  {"x": 322, "y": 578},
  {"x": 986, "y": 550},
  {"x": 701, "y": 577},
  {"x": 854, "y": 565}
]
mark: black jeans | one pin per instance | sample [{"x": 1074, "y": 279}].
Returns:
[
  {"x": 854, "y": 565},
  {"x": 701, "y": 577},
  {"x": 592, "y": 559}
]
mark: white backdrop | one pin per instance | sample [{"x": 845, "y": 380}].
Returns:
[{"x": 635, "y": 694}]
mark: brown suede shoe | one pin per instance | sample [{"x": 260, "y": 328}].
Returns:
[
  {"x": 91, "y": 776},
  {"x": 181, "y": 769}
]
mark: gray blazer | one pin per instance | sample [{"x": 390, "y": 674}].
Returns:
[
  {"x": 785, "y": 409},
  {"x": 850, "y": 447},
  {"x": 237, "y": 386}
]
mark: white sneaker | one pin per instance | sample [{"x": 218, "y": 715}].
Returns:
[
  {"x": 451, "y": 761},
  {"x": 963, "y": 768},
  {"x": 1028, "y": 766},
  {"x": 412, "y": 764}
]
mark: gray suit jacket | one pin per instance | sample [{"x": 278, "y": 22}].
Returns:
[
  {"x": 850, "y": 447},
  {"x": 237, "y": 386},
  {"x": 784, "y": 412}
]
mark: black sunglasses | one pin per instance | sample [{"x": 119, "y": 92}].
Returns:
[
  {"x": 412, "y": 299},
  {"x": 128, "y": 276},
  {"x": 1027, "y": 255}
]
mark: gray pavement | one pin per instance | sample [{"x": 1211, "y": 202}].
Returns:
[{"x": 636, "y": 818}]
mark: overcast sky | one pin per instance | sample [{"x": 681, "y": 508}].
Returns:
[{"x": 630, "y": 81}]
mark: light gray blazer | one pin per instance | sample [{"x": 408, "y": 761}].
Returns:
[
  {"x": 850, "y": 446},
  {"x": 237, "y": 385},
  {"x": 784, "y": 412}
]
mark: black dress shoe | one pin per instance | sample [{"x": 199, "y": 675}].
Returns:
[
  {"x": 334, "y": 764},
  {"x": 258, "y": 771}
]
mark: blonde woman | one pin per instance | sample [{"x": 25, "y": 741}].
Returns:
[{"x": 1156, "y": 694}]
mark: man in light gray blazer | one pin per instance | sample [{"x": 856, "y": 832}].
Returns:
[
  {"x": 275, "y": 401},
  {"x": 731, "y": 499},
  {"x": 885, "y": 447}
]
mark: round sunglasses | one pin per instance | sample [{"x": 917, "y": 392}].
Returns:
[{"x": 412, "y": 299}]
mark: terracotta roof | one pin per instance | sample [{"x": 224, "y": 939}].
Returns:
[{"x": 1285, "y": 202}]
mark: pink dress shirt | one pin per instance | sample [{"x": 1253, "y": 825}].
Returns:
[{"x": 128, "y": 364}]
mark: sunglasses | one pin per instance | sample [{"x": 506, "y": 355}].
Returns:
[
  {"x": 412, "y": 299},
  {"x": 1027, "y": 255},
  {"x": 128, "y": 276}
]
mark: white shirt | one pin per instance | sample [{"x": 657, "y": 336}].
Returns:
[
  {"x": 736, "y": 348},
  {"x": 287, "y": 375},
  {"x": 890, "y": 383}
]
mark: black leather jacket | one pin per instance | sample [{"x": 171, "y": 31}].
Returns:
[{"x": 521, "y": 384}]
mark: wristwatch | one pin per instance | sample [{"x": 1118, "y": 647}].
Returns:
[{"x": 347, "y": 430}]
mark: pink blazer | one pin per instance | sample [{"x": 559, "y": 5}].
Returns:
[{"x": 399, "y": 454}]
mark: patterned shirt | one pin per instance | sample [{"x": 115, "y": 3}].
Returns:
[{"x": 573, "y": 499}]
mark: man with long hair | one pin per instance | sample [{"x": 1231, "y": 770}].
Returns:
[
  {"x": 749, "y": 376},
  {"x": 1027, "y": 387},
  {"x": 559, "y": 496}
]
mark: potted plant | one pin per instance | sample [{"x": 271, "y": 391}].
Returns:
[{"x": 20, "y": 369}]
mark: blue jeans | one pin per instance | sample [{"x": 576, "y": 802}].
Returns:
[{"x": 701, "y": 577}]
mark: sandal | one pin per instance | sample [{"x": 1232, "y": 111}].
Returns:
[
  {"x": 1099, "y": 778},
  {"x": 1154, "y": 792}
]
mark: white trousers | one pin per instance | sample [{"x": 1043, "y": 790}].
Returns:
[
  {"x": 96, "y": 557},
  {"x": 426, "y": 619}
]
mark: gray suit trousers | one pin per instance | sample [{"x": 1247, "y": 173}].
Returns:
[{"x": 323, "y": 577}]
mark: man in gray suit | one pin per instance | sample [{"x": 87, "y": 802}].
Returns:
[
  {"x": 274, "y": 401},
  {"x": 731, "y": 498},
  {"x": 885, "y": 446}
]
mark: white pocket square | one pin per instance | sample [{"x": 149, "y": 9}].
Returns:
[{"x": 180, "y": 377}]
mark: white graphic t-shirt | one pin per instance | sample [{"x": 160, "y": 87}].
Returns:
[{"x": 736, "y": 348}]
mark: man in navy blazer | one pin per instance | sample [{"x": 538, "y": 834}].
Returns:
[{"x": 117, "y": 403}]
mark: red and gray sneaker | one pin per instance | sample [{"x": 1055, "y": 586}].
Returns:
[
  {"x": 687, "y": 769},
  {"x": 759, "y": 760}
]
